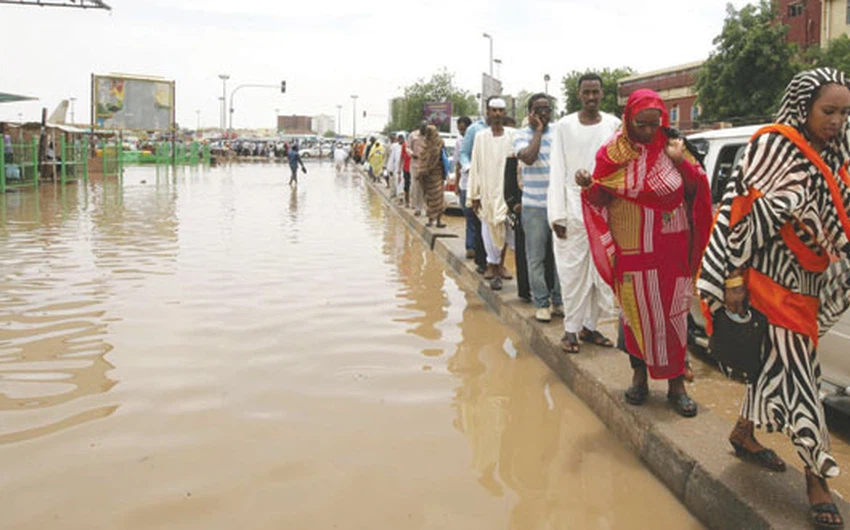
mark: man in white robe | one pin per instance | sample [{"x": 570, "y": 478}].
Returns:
[
  {"x": 577, "y": 138},
  {"x": 391, "y": 166},
  {"x": 486, "y": 184}
]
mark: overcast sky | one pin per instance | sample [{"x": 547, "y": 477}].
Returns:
[{"x": 328, "y": 50}]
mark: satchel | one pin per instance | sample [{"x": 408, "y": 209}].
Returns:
[{"x": 738, "y": 342}]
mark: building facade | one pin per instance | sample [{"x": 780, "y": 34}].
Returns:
[
  {"x": 803, "y": 18},
  {"x": 675, "y": 85},
  {"x": 295, "y": 124},
  {"x": 835, "y": 20},
  {"x": 323, "y": 123}
]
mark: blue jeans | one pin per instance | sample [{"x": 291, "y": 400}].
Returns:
[
  {"x": 470, "y": 221},
  {"x": 538, "y": 238}
]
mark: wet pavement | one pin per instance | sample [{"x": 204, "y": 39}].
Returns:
[{"x": 213, "y": 348}]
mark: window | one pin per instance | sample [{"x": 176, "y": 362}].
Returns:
[
  {"x": 727, "y": 159},
  {"x": 674, "y": 114},
  {"x": 695, "y": 111},
  {"x": 795, "y": 10}
]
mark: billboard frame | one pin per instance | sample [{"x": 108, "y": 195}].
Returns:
[{"x": 151, "y": 79}]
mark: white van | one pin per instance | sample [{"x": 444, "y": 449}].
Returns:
[{"x": 723, "y": 150}]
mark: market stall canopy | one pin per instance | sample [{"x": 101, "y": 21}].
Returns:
[{"x": 5, "y": 97}]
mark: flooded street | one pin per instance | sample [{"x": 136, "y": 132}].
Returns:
[{"x": 216, "y": 350}]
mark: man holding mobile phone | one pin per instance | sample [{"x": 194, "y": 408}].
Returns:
[{"x": 533, "y": 145}]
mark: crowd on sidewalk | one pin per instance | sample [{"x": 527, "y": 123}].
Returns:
[{"x": 614, "y": 217}]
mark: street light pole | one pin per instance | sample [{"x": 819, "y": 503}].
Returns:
[
  {"x": 198, "y": 114},
  {"x": 354, "y": 116},
  {"x": 498, "y": 68},
  {"x": 72, "y": 109},
  {"x": 546, "y": 79},
  {"x": 223, "y": 120},
  {"x": 233, "y": 93},
  {"x": 276, "y": 120},
  {"x": 488, "y": 36},
  {"x": 339, "y": 119}
]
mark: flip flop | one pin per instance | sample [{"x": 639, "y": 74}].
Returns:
[
  {"x": 506, "y": 275},
  {"x": 569, "y": 343},
  {"x": 825, "y": 508},
  {"x": 683, "y": 405},
  {"x": 765, "y": 458},
  {"x": 595, "y": 338},
  {"x": 636, "y": 394},
  {"x": 441, "y": 225}
]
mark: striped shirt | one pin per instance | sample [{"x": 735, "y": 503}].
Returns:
[{"x": 535, "y": 178}]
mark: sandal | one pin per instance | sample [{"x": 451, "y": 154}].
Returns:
[
  {"x": 637, "y": 394},
  {"x": 765, "y": 458},
  {"x": 505, "y": 274},
  {"x": 496, "y": 284},
  {"x": 595, "y": 338},
  {"x": 569, "y": 342},
  {"x": 441, "y": 225},
  {"x": 683, "y": 404},
  {"x": 828, "y": 509}
]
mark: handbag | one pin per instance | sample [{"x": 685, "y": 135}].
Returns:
[{"x": 738, "y": 342}]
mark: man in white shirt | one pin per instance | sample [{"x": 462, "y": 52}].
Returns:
[
  {"x": 391, "y": 166},
  {"x": 485, "y": 196},
  {"x": 577, "y": 138}
]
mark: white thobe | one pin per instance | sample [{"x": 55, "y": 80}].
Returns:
[
  {"x": 487, "y": 180},
  {"x": 586, "y": 295}
]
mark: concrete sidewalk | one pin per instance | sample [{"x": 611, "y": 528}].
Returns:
[{"x": 691, "y": 456}]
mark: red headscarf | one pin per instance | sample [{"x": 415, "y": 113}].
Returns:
[{"x": 644, "y": 99}]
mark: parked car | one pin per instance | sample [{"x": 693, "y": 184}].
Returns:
[{"x": 723, "y": 150}]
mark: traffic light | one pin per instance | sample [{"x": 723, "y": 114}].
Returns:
[{"x": 283, "y": 87}]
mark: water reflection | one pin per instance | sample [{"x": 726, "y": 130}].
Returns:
[{"x": 65, "y": 252}]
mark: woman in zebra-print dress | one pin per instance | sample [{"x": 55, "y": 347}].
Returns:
[{"x": 781, "y": 244}]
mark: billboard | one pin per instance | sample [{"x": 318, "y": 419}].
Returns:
[
  {"x": 132, "y": 103},
  {"x": 438, "y": 115}
]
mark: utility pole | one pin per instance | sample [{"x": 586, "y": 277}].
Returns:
[
  {"x": 354, "y": 116},
  {"x": 339, "y": 120},
  {"x": 223, "y": 121},
  {"x": 488, "y": 36}
]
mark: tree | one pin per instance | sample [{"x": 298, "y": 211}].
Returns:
[
  {"x": 609, "y": 76},
  {"x": 329, "y": 134},
  {"x": 835, "y": 55},
  {"x": 744, "y": 77},
  {"x": 407, "y": 110}
]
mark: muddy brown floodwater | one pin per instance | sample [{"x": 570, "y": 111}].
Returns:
[{"x": 215, "y": 350}]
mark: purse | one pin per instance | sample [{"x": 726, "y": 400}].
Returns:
[{"x": 738, "y": 342}]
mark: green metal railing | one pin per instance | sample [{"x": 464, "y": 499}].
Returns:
[
  {"x": 21, "y": 168},
  {"x": 163, "y": 154},
  {"x": 75, "y": 160},
  {"x": 113, "y": 163}
]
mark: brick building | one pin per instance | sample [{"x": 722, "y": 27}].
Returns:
[
  {"x": 676, "y": 86},
  {"x": 295, "y": 124},
  {"x": 803, "y": 18}
]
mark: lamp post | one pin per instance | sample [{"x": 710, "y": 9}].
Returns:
[
  {"x": 72, "y": 109},
  {"x": 339, "y": 119},
  {"x": 498, "y": 68},
  {"x": 276, "y": 120},
  {"x": 354, "y": 116},
  {"x": 546, "y": 79},
  {"x": 488, "y": 36},
  {"x": 224, "y": 78}
]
